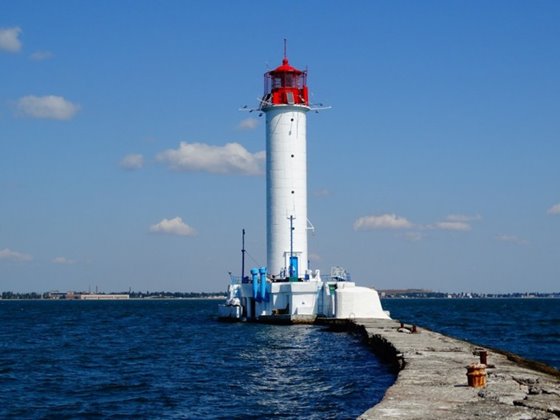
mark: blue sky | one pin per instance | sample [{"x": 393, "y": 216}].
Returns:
[{"x": 125, "y": 163}]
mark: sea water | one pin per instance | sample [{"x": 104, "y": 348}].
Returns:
[{"x": 172, "y": 359}]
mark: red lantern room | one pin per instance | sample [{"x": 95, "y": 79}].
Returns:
[{"x": 285, "y": 85}]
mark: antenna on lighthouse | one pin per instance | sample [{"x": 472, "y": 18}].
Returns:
[
  {"x": 243, "y": 251},
  {"x": 285, "y": 46},
  {"x": 293, "y": 266}
]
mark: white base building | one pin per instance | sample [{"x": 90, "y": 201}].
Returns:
[{"x": 302, "y": 302}]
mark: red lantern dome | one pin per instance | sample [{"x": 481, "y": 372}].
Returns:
[{"x": 285, "y": 85}]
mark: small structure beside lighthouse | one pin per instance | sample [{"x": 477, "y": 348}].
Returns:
[{"x": 286, "y": 291}]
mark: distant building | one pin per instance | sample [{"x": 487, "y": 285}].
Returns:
[
  {"x": 98, "y": 296},
  {"x": 90, "y": 296},
  {"x": 55, "y": 295}
]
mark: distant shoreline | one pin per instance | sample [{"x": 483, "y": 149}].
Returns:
[
  {"x": 130, "y": 295},
  {"x": 110, "y": 300},
  {"x": 136, "y": 299},
  {"x": 555, "y": 296},
  {"x": 384, "y": 294}
]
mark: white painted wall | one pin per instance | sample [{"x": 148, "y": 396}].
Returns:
[
  {"x": 358, "y": 302},
  {"x": 286, "y": 171}
]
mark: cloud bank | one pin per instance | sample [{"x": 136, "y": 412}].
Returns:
[
  {"x": 463, "y": 218},
  {"x": 9, "y": 39},
  {"x": 554, "y": 210},
  {"x": 323, "y": 192},
  {"x": 41, "y": 55},
  {"x": 383, "y": 221},
  {"x": 450, "y": 225},
  {"x": 48, "y": 107},
  {"x": 314, "y": 257},
  {"x": 9, "y": 255},
  {"x": 174, "y": 226},
  {"x": 453, "y": 222},
  {"x": 248, "y": 124},
  {"x": 132, "y": 162},
  {"x": 232, "y": 158},
  {"x": 63, "y": 261},
  {"x": 511, "y": 239},
  {"x": 457, "y": 222},
  {"x": 413, "y": 236}
]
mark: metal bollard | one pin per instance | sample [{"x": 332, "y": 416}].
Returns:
[
  {"x": 476, "y": 375},
  {"x": 483, "y": 357}
]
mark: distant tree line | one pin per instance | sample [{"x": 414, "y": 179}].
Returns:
[{"x": 29, "y": 295}]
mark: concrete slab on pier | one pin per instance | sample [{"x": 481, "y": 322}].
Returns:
[{"x": 432, "y": 381}]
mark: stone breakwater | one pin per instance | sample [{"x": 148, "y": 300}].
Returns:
[{"x": 432, "y": 380}]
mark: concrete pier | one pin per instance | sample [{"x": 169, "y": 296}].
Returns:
[{"x": 432, "y": 380}]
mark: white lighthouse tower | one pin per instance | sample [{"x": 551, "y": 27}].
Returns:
[{"x": 285, "y": 103}]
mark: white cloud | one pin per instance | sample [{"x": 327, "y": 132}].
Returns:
[
  {"x": 9, "y": 255},
  {"x": 462, "y": 218},
  {"x": 323, "y": 192},
  {"x": 41, "y": 55},
  {"x": 384, "y": 221},
  {"x": 63, "y": 261},
  {"x": 9, "y": 39},
  {"x": 512, "y": 239},
  {"x": 554, "y": 210},
  {"x": 449, "y": 225},
  {"x": 248, "y": 124},
  {"x": 457, "y": 222},
  {"x": 132, "y": 162},
  {"x": 174, "y": 226},
  {"x": 51, "y": 107},
  {"x": 232, "y": 158},
  {"x": 413, "y": 236}
]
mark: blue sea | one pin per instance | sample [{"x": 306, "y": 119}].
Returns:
[{"x": 172, "y": 359}]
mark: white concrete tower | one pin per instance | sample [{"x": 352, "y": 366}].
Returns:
[{"x": 286, "y": 103}]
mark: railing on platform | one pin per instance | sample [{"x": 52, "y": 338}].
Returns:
[
  {"x": 337, "y": 274},
  {"x": 348, "y": 277}
]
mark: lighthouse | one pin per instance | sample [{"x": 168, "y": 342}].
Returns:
[
  {"x": 286, "y": 103},
  {"x": 286, "y": 291}
]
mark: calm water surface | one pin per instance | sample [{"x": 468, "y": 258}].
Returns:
[{"x": 171, "y": 359}]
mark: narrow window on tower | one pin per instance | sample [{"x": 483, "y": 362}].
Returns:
[{"x": 290, "y": 97}]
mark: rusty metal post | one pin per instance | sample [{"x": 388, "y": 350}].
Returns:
[
  {"x": 483, "y": 357},
  {"x": 476, "y": 375}
]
